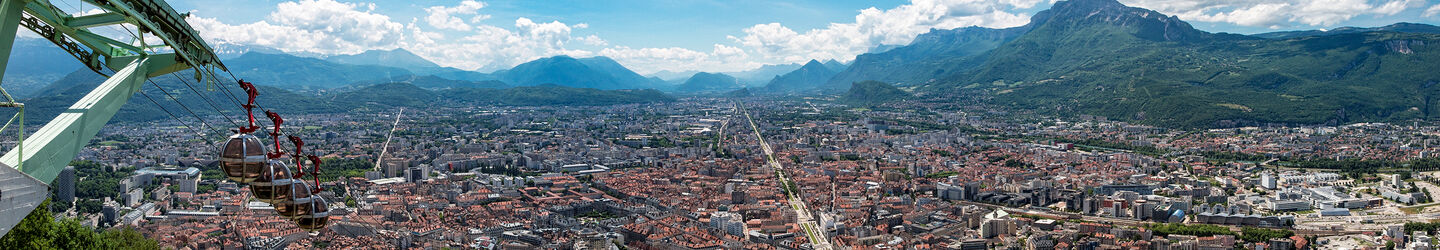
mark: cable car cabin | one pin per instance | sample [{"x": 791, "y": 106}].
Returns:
[
  {"x": 273, "y": 184},
  {"x": 298, "y": 204},
  {"x": 319, "y": 215},
  {"x": 242, "y": 157}
]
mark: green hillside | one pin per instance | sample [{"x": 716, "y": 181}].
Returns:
[
  {"x": 1100, "y": 57},
  {"x": 869, "y": 93}
]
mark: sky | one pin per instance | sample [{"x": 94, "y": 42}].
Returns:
[{"x": 648, "y": 36}]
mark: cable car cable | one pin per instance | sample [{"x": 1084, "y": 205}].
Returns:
[
  {"x": 141, "y": 38},
  {"x": 176, "y": 118},
  {"x": 182, "y": 105},
  {"x": 207, "y": 99}
]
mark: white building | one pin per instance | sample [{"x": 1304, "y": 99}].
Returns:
[
  {"x": 731, "y": 223},
  {"x": 996, "y": 223},
  {"x": 1267, "y": 181}
]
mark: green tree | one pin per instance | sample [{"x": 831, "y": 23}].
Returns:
[
  {"x": 1253, "y": 234},
  {"x": 33, "y": 232},
  {"x": 126, "y": 238},
  {"x": 39, "y": 231},
  {"x": 89, "y": 206}
]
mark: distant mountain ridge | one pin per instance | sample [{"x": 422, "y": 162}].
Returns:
[
  {"x": 55, "y": 98},
  {"x": 808, "y": 77},
  {"x": 933, "y": 55},
  {"x": 709, "y": 82},
  {"x": 595, "y": 72},
  {"x": 1398, "y": 27},
  {"x": 758, "y": 77},
  {"x": 301, "y": 73},
  {"x": 396, "y": 58},
  {"x": 35, "y": 63}
]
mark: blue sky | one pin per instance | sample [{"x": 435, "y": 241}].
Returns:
[{"x": 704, "y": 35}]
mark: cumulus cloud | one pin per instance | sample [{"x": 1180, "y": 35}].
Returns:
[
  {"x": 729, "y": 54},
  {"x": 448, "y": 17},
  {"x": 650, "y": 60},
  {"x": 873, "y": 27},
  {"x": 488, "y": 48},
  {"x": 592, "y": 40},
  {"x": 1275, "y": 13},
  {"x": 454, "y": 35},
  {"x": 314, "y": 26},
  {"x": 1432, "y": 11},
  {"x": 328, "y": 27}
]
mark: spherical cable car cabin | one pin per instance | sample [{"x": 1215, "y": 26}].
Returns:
[
  {"x": 318, "y": 217},
  {"x": 242, "y": 158},
  {"x": 298, "y": 204},
  {"x": 273, "y": 184}
]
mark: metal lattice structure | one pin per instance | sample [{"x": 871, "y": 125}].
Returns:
[{"x": 38, "y": 159}]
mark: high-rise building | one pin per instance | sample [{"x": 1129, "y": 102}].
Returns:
[
  {"x": 417, "y": 173},
  {"x": 1267, "y": 181},
  {"x": 395, "y": 167},
  {"x": 134, "y": 197},
  {"x": 996, "y": 223},
  {"x": 949, "y": 192},
  {"x": 731, "y": 223},
  {"x": 65, "y": 185},
  {"x": 109, "y": 213}
]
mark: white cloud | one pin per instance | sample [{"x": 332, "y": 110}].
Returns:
[
  {"x": 313, "y": 26},
  {"x": 26, "y": 33},
  {"x": 328, "y": 27},
  {"x": 488, "y": 48},
  {"x": 729, "y": 54},
  {"x": 1275, "y": 13},
  {"x": 650, "y": 60},
  {"x": 453, "y": 35},
  {"x": 592, "y": 40},
  {"x": 1255, "y": 15},
  {"x": 655, "y": 59},
  {"x": 1432, "y": 11},
  {"x": 873, "y": 27},
  {"x": 446, "y": 17}
]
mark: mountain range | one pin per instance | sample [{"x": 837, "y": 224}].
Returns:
[
  {"x": 811, "y": 76},
  {"x": 754, "y": 77},
  {"x": 1398, "y": 27},
  {"x": 1095, "y": 57},
  {"x": 930, "y": 56},
  {"x": 709, "y": 82},
  {"x": 35, "y": 63},
  {"x": 594, "y": 72},
  {"x": 1101, "y": 57},
  {"x": 304, "y": 73},
  {"x": 396, "y": 58}
]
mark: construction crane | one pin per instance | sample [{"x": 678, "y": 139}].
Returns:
[{"x": 38, "y": 159}]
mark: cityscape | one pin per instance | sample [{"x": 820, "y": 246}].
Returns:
[
  {"x": 696, "y": 175},
  {"x": 1077, "y": 124}
]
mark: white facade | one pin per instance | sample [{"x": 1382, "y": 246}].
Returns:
[
  {"x": 731, "y": 223},
  {"x": 1267, "y": 181}
]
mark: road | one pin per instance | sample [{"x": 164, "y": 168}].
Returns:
[{"x": 803, "y": 216}]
